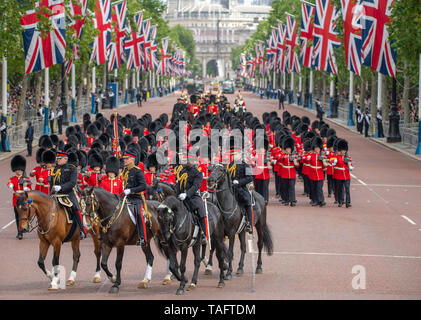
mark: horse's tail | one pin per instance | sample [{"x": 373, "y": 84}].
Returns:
[
  {"x": 267, "y": 240},
  {"x": 160, "y": 248}
]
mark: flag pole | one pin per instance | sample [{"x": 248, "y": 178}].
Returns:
[
  {"x": 74, "y": 93},
  {"x": 310, "y": 95},
  {"x": 418, "y": 151},
  {"x": 4, "y": 88},
  {"x": 93, "y": 110},
  {"x": 351, "y": 99},
  {"x": 311, "y": 4},
  {"x": 46, "y": 100}
]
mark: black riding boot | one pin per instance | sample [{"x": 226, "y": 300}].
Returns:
[
  {"x": 82, "y": 231},
  {"x": 203, "y": 222},
  {"x": 140, "y": 229},
  {"x": 249, "y": 218}
]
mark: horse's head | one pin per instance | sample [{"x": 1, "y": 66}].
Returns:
[
  {"x": 167, "y": 212},
  {"x": 89, "y": 204},
  {"x": 217, "y": 175},
  {"x": 25, "y": 213}
]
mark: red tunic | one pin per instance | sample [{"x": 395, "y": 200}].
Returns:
[
  {"x": 36, "y": 172},
  {"x": 260, "y": 168},
  {"x": 305, "y": 163},
  {"x": 212, "y": 108},
  {"x": 330, "y": 156},
  {"x": 45, "y": 185},
  {"x": 203, "y": 167},
  {"x": 92, "y": 178},
  {"x": 127, "y": 131},
  {"x": 341, "y": 171},
  {"x": 81, "y": 181},
  {"x": 287, "y": 170},
  {"x": 194, "y": 108},
  {"x": 316, "y": 167},
  {"x": 114, "y": 185},
  {"x": 90, "y": 140},
  {"x": 17, "y": 188},
  {"x": 149, "y": 176}
]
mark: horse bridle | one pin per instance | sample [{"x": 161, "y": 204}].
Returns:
[
  {"x": 171, "y": 229},
  {"x": 28, "y": 206}
]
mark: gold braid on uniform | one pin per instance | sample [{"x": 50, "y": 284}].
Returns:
[
  {"x": 183, "y": 178},
  {"x": 56, "y": 175},
  {"x": 232, "y": 169}
]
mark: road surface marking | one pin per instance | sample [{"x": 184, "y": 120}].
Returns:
[
  {"x": 359, "y": 180},
  {"x": 102, "y": 285},
  {"x": 407, "y": 219},
  {"x": 346, "y": 254},
  {"x": 7, "y": 225}
]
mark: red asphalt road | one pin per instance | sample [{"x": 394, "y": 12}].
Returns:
[{"x": 315, "y": 248}]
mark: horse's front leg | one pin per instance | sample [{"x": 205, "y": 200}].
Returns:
[
  {"x": 242, "y": 237},
  {"x": 105, "y": 253},
  {"x": 174, "y": 264},
  {"x": 183, "y": 279},
  {"x": 56, "y": 257},
  {"x": 97, "y": 250},
  {"x": 203, "y": 258},
  {"x": 208, "y": 270},
  {"x": 118, "y": 264},
  {"x": 149, "y": 261},
  {"x": 76, "y": 257},
  {"x": 43, "y": 249},
  {"x": 196, "y": 252},
  {"x": 228, "y": 276}
]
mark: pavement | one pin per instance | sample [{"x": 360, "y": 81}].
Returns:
[{"x": 369, "y": 251}]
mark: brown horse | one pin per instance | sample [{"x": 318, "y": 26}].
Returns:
[
  {"x": 118, "y": 230},
  {"x": 53, "y": 228}
]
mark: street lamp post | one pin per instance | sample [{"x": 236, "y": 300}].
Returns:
[{"x": 63, "y": 98}]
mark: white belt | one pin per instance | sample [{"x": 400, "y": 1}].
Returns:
[
  {"x": 337, "y": 168},
  {"x": 288, "y": 167},
  {"x": 316, "y": 167}
]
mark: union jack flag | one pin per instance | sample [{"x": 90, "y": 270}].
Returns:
[
  {"x": 146, "y": 26},
  {"x": 163, "y": 63},
  {"x": 281, "y": 48},
  {"x": 292, "y": 42},
  {"x": 102, "y": 22},
  {"x": 242, "y": 66},
  {"x": 377, "y": 51},
  {"x": 269, "y": 53},
  {"x": 352, "y": 14},
  {"x": 133, "y": 50},
  {"x": 275, "y": 48},
  {"x": 325, "y": 36},
  {"x": 44, "y": 51},
  {"x": 306, "y": 34},
  {"x": 78, "y": 10},
  {"x": 116, "y": 48}
]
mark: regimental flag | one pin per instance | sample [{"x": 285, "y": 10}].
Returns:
[
  {"x": 325, "y": 36},
  {"x": 116, "y": 49},
  {"x": 282, "y": 59},
  {"x": 352, "y": 14},
  {"x": 102, "y": 22},
  {"x": 377, "y": 52},
  {"x": 44, "y": 50},
  {"x": 116, "y": 145},
  {"x": 78, "y": 10},
  {"x": 306, "y": 34},
  {"x": 291, "y": 41}
]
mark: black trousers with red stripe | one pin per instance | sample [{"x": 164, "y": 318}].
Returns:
[{"x": 262, "y": 186}]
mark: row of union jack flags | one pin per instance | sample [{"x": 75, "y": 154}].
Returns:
[
  {"x": 115, "y": 43},
  {"x": 365, "y": 37}
]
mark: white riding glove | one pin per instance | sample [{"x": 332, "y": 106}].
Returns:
[
  {"x": 334, "y": 162},
  {"x": 26, "y": 189},
  {"x": 182, "y": 196},
  {"x": 235, "y": 182},
  {"x": 351, "y": 168},
  {"x": 11, "y": 186},
  {"x": 57, "y": 188},
  {"x": 127, "y": 192}
]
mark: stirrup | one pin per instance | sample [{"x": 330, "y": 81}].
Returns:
[{"x": 141, "y": 242}]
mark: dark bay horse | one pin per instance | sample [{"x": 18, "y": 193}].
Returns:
[
  {"x": 53, "y": 228},
  {"x": 178, "y": 227},
  {"x": 232, "y": 215},
  {"x": 117, "y": 230}
]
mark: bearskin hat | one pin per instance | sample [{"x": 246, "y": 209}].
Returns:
[
  {"x": 316, "y": 142},
  {"x": 304, "y": 128},
  {"x": 315, "y": 125},
  {"x": 105, "y": 139},
  {"x": 330, "y": 132},
  {"x": 122, "y": 145},
  {"x": 92, "y": 130},
  {"x": 54, "y": 139},
  {"x": 193, "y": 98},
  {"x": 305, "y": 120},
  {"x": 99, "y": 125},
  {"x": 70, "y": 131},
  {"x": 45, "y": 142},
  {"x": 342, "y": 145},
  {"x": 73, "y": 159},
  {"x": 288, "y": 142},
  {"x": 128, "y": 138},
  {"x": 152, "y": 161},
  {"x": 99, "y": 115},
  {"x": 69, "y": 146},
  {"x": 39, "y": 154},
  {"x": 86, "y": 117},
  {"x": 164, "y": 119},
  {"x": 323, "y": 132},
  {"x": 137, "y": 132},
  {"x": 330, "y": 141},
  {"x": 18, "y": 163},
  {"x": 112, "y": 164},
  {"x": 60, "y": 145},
  {"x": 97, "y": 144},
  {"x": 48, "y": 156},
  {"x": 144, "y": 143},
  {"x": 104, "y": 154},
  {"x": 73, "y": 140},
  {"x": 95, "y": 160},
  {"x": 212, "y": 98},
  {"x": 82, "y": 157},
  {"x": 307, "y": 145}
]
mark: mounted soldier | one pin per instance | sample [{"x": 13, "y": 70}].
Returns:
[
  {"x": 134, "y": 184},
  {"x": 63, "y": 180},
  {"x": 241, "y": 175},
  {"x": 188, "y": 182}
]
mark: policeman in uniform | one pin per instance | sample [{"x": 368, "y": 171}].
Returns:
[
  {"x": 241, "y": 174},
  {"x": 62, "y": 181},
  {"x": 134, "y": 184},
  {"x": 188, "y": 182}
]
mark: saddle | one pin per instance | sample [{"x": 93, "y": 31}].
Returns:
[{"x": 64, "y": 202}]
